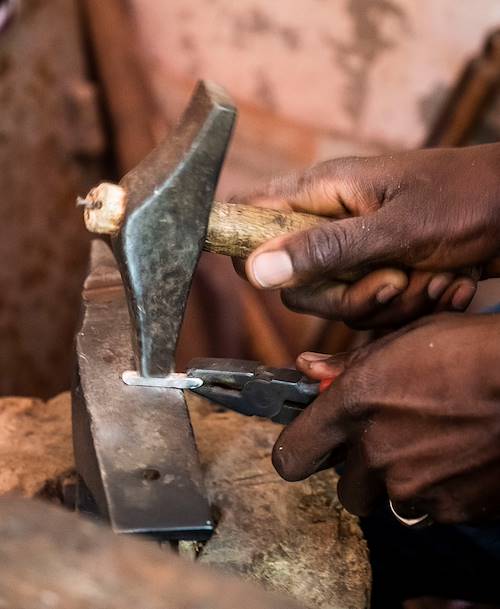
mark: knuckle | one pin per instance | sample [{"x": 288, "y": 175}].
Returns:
[
  {"x": 342, "y": 307},
  {"x": 351, "y": 385},
  {"x": 285, "y": 465},
  {"x": 284, "y": 185},
  {"x": 322, "y": 170},
  {"x": 403, "y": 487},
  {"x": 305, "y": 300},
  {"x": 337, "y": 167},
  {"x": 324, "y": 246},
  {"x": 401, "y": 493},
  {"x": 281, "y": 463},
  {"x": 292, "y": 299}
]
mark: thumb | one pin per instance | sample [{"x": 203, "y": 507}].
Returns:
[{"x": 330, "y": 250}]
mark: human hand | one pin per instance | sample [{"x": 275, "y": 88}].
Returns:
[
  {"x": 425, "y": 223},
  {"x": 415, "y": 415}
]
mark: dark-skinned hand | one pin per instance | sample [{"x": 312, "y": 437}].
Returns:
[
  {"x": 415, "y": 415},
  {"x": 426, "y": 223}
]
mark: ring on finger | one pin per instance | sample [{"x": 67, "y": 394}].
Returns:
[{"x": 418, "y": 521}]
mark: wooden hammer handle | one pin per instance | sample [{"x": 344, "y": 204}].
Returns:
[
  {"x": 233, "y": 229},
  {"x": 236, "y": 230}
]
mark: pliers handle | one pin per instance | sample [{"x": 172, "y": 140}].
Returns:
[{"x": 250, "y": 388}]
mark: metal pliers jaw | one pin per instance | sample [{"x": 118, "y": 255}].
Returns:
[{"x": 248, "y": 387}]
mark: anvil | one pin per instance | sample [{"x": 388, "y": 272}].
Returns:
[{"x": 134, "y": 446}]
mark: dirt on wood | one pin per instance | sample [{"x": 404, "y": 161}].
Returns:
[{"x": 292, "y": 538}]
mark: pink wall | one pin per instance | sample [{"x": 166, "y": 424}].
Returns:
[
  {"x": 314, "y": 79},
  {"x": 369, "y": 70}
]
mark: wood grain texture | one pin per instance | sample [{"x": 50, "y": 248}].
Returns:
[
  {"x": 291, "y": 538},
  {"x": 236, "y": 230},
  {"x": 51, "y": 558},
  {"x": 35, "y": 444},
  {"x": 294, "y": 539}
]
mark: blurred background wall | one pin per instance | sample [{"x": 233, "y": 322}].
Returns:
[
  {"x": 371, "y": 71},
  {"x": 50, "y": 149},
  {"x": 88, "y": 87}
]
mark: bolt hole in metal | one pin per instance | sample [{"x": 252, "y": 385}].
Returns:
[{"x": 150, "y": 474}]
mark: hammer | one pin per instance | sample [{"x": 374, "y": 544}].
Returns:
[
  {"x": 162, "y": 214},
  {"x": 232, "y": 229}
]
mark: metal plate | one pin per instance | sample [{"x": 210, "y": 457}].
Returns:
[{"x": 174, "y": 380}]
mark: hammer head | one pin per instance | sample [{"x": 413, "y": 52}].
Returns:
[{"x": 169, "y": 197}]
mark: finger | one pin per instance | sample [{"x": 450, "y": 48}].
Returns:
[
  {"x": 337, "y": 188},
  {"x": 348, "y": 302},
  {"x": 417, "y": 299},
  {"x": 359, "y": 489},
  {"x": 458, "y": 295},
  {"x": 257, "y": 199},
  {"x": 426, "y": 293},
  {"x": 321, "y": 429},
  {"x": 319, "y": 366},
  {"x": 327, "y": 250},
  {"x": 369, "y": 304},
  {"x": 239, "y": 267}
]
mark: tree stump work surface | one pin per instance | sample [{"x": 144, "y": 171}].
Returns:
[{"x": 293, "y": 538}]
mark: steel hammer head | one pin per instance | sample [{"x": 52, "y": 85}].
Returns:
[{"x": 169, "y": 196}]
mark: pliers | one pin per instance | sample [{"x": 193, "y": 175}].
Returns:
[{"x": 250, "y": 388}]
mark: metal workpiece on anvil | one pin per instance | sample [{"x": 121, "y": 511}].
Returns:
[{"x": 134, "y": 446}]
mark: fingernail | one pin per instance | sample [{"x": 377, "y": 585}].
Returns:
[
  {"x": 387, "y": 293},
  {"x": 462, "y": 296},
  {"x": 311, "y": 356},
  {"x": 272, "y": 269},
  {"x": 438, "y": 285}
]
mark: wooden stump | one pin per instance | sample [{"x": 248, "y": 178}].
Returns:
[
  {"x": 52, "y": 559},
  {"x": 35, "y": 444},
  {"x": 292, "y": 538}
]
